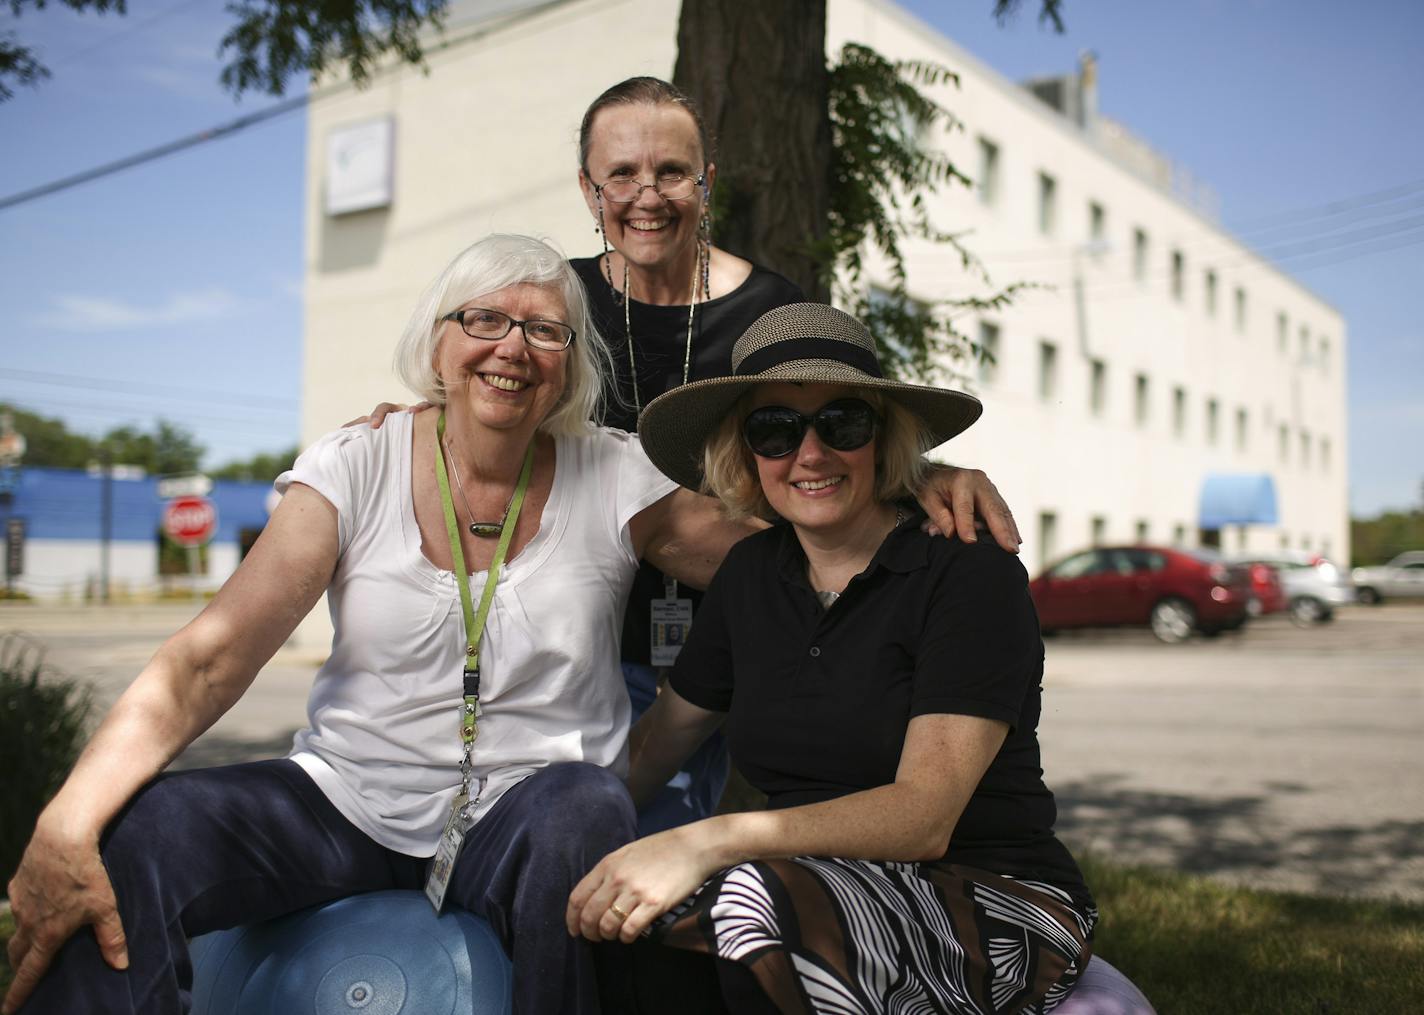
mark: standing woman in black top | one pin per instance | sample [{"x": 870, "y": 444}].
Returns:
[
  {"x": 882, "y": 687},
  {"x": 670, "y": 306}
]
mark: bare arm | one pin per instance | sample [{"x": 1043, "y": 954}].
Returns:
[
  {"x": 663, "y": 739},
  {"x": 686, "y": 535},
  {"x": 912, "y": 818},
  {"x": 951, "y": 496},
  {"x": 191, "y": 681}
]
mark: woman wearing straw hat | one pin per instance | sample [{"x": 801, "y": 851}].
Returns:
[{"x": 881, "y": 687}]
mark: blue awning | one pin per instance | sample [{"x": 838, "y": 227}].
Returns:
[{"x": 1237, "y": 499}]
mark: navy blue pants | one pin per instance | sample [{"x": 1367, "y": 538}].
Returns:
[
  {"x": 208, "y": 849},
  {"x": 694, "y": 792}
]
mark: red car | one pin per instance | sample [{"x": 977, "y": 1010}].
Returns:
[
  {"x": 1267, "y": 594},
  {"x": 1173, "y": 591}
]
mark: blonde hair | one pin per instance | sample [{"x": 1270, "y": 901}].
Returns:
[
  {"x": 729, "y": 470},
  {"x": 496, "y": 262}
]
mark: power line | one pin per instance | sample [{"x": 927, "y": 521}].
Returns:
[
  {"x": 129, "y": 29},
  {"x": 250, "y": 120},
  {"x": 139, "y": 387},
  {"x": 162, "y": 151}
]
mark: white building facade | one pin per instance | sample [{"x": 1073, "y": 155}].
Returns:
[{"x": 1154, "y": 355}]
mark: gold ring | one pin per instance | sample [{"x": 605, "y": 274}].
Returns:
[{"x": 617, "y": 911}]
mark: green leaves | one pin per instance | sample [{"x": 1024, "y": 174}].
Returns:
[
  {"x": 882, "y": 174},
  {"x": 276, "y": 39}
]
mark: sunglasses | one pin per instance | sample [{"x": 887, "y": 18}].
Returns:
[{"x": 775, "y": 431}]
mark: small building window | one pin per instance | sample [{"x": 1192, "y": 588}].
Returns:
[
  {"x": 1139, "y": 255},
  {"x": 1211, "y": 293},
  {"x": 1141, "y": 409},
  {"x": 1047, "y": 371},
  {"x": 1239, "y": 312},
  {"x": 1242, "y": 430},
  {"x": 1179, "y": 411},
  {"x": 1141, "y": 530},
  {"x": 1304, "y": 448},
  {"x": 1179, "y": 535},
  {"x": 988, "y": 352},
  {"x": 1047, "y": 204},
  {"x": 1097, "y": 386},
  {"x": 1282, "y": 332},
  {"x": 1324, "y": 354},
  {"x": 1047, "y": 538},
  {"x": 988, "y": 185},
  {"x": 1283, "y": 443},
  {"x": 1304, "y": 344},
  {"x": 1179, "y": 275},
  {"x": 1099, "y": 530},
  {"x": 1097, "y": 224},
  {"x": 1213, "y": 421},
  {"x": 1325, "y": 454}
]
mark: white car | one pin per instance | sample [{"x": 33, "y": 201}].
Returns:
[
  {"x": 1403, "y": 576},
  {"x": 1313, "y": 585}
]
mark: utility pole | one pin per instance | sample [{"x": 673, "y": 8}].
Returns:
[{"x": 106, "y": 520}]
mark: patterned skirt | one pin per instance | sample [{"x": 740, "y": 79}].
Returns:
[{"x": 858, "y": 936}]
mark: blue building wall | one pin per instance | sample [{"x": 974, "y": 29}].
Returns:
[{"x": 68, "y": 504}]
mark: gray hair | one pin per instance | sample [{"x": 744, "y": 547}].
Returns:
[{"x": 496, "y": 262}]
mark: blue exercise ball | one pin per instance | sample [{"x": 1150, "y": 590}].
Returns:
[{"x": 385, "y": 953}]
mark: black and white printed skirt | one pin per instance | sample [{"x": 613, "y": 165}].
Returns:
[{"x": 859, "y": 936}]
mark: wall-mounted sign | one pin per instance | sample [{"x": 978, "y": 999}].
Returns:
[{"x": 360, "y": 166}]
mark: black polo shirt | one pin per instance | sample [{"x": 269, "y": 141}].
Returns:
[{"x": 819, "y": 700}]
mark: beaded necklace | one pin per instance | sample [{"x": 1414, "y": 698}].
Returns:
[{"x": 700, "y": 273}]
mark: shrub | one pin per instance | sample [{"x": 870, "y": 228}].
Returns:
[{"x": 43, "y": 723}]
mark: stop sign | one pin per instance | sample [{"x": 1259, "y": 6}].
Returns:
[{"x": 190, "y": 521}]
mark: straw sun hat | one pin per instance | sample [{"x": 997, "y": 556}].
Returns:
[{"x": 804, "y": 343}]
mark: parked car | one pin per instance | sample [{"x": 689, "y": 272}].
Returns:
[
  {"x": 1268, "y": 595},
  {"x": 1172, "y": 591},
  {"x": 1314, "y": 586},
  {"x": 1403, "y": 576}
]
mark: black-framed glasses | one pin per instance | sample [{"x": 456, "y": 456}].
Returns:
[
  {"x": 669, "y": 187},
  {"x": 492, "y": 325},
  {"x": 774, "y": 431}
]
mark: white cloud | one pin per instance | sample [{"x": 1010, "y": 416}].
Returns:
[{"x": 90, "y": 314}]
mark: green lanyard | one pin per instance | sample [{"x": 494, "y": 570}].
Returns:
[{"x": 475, "y": 622}]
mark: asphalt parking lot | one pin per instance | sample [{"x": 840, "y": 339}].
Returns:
[{"x": 1278, "y": 757}]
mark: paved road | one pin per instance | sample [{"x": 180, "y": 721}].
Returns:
[{"x": 1281, "y": 757}]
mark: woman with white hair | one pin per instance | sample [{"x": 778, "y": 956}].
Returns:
[{"x": 467, "y": 732}]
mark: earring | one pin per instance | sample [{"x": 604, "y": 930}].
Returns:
[{"x": 607, "y": 252}]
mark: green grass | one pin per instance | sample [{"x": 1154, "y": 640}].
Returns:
[
  {"x": 1196, "y": 946},
  {"x": 1199, "y": 948}
]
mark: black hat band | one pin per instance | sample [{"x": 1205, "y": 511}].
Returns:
[{"x": 787, "y": 349}]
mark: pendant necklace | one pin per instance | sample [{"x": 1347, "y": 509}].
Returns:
[
  {"x": 701, "y": 267},
  {"x": 485, "y": 530}
]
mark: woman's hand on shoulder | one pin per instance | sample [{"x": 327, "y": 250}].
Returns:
[
  {"x": 383, "y": 409},
  {"x": 955, "y": 499},
  {"x": 643, "y": 880},
  {"x": 60, "y": 886}
]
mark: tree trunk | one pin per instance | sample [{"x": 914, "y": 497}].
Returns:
[{"x": 758, "y": 70}]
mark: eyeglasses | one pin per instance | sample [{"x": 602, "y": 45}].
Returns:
[
  {"x": 492, "y": 325},
  {"x": 668, "y": 186},
  {"x": 775, "y": 431}
]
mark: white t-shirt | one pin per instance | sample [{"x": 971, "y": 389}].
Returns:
[{"x": 383, "y": 742}]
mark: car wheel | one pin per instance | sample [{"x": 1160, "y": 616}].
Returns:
[
  {"x": 1173, "y": 620},
  {"x": 1368, "y": 596},
  {"x": 1306, "y": 611}
]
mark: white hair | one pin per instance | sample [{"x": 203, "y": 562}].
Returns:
[{"x": 496, "y": 262}]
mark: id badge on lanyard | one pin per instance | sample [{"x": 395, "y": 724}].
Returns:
[
  {"x": 672, "y": 620},
  {"x": 452, "y": 837}
]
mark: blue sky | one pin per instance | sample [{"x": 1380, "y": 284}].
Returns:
[{"x": 174, "y": 288}]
